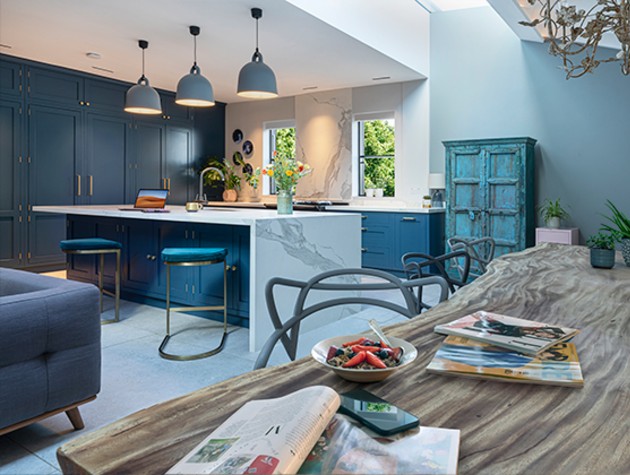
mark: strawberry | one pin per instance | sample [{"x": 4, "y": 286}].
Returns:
[
  {"x": 374, "y": 361},
  {"x": 357, "y": 359}
]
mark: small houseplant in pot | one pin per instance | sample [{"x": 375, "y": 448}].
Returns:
[
  {"x": 619, "y": 227},
  {"x": 252, "y": 178},
  {"x": 552, "y": 212},
  {"x": 602, "y": 246},
  {"x": 232, "y": 180}
]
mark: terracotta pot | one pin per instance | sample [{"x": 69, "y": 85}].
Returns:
[{"x": 230, "y": 195}]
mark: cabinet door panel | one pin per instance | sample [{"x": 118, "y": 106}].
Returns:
[
  {"x": 106, "y": 146},
  {"x": 177, "y": 163},
  {"x": 146, "y": 171},
  {"x": 105, "y": 96},
  {"x": 54, "y": 142},
  {"x": 9, "y": 184},
  {"x": 10, "y": 78},
  {"x": 52, "y": 86},
  {"x": 141, "y": 261},
  {"x": 413, "y": 235},
  {"x": 239, "y": 283}
]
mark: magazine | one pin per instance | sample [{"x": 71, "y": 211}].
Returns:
[
  {"x": 270, "y": 436},
  {"x": 345, "y": 447},
  {"x": 459, "y": 356},
  {"x": 523, "y": 336}
]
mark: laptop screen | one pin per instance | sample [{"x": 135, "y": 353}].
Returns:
[{"x": 151, "y": 198}]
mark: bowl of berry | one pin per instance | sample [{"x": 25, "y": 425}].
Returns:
[{"x": 362, "y": 358}]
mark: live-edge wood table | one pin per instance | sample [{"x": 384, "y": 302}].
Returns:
[{"x": 505, "y": 427}]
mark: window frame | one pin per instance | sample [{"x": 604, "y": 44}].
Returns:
[{"x": 360, "y": 175}]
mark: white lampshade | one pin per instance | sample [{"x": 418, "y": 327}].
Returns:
[{"x": 437, "y": 181}]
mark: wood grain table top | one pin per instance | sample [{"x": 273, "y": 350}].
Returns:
[{"x": 505, "y": 427}]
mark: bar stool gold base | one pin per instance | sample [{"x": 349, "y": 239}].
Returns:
[
  {"x": 198, "y": 356},
  {"x": 116, "y": 293}
]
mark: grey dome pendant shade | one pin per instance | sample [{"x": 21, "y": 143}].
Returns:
[
  {"x": 256, "y": 80},
  {"x": 142, "y": 98},
  {"x": 194, "y": 90}
]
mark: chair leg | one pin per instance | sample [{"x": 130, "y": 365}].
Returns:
[
  {"x": 75, "y": 418},
  {"x": 117, "y": 289},
  {"x": 100, "y": 279}
]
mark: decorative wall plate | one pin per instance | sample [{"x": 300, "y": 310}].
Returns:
[
  {"x": 247, "y": 168},
  {"x": 248, "y": 147},
  {"x": 237, "y": 136},
  {"x": 237, "y": 158}
]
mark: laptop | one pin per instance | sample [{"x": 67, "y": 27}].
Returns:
[{"x": 149, "y": 201}]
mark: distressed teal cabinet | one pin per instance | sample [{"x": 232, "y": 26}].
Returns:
[{"x": 490, "y": 191}]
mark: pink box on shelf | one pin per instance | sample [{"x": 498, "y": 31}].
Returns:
[{"x": 560, "y": 236}]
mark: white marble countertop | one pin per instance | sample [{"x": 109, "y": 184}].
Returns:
[
  {"x": 377, "y": 207},
  {"x": 216, "y": 215}
]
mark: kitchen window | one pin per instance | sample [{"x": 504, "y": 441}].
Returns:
[
  {"x": 278, "y": 137},
  {"x": 376, "y": 146}
]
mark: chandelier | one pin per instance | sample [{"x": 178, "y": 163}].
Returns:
[{"x": 574, "y": 34}]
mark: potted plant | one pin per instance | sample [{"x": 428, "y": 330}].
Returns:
[
  {"x": 286, "y": 172},
  {"x": 253, "y": 180},
  {"x": 231, "y": 180},
  {"x": 602, "y": 246},
  {"x": 552, "y": 212},
  {"x": 620, "y": 229}
]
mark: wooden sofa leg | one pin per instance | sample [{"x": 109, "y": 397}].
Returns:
[{"x": 75, "y": 418}]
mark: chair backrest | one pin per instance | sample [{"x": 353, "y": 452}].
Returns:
[
  {"x": 418, "y": 265},
  {"x": 287, "y": 332},
  {"x": 481, "y": 252}
]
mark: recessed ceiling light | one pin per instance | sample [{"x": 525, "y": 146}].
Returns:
[
  {"x": 381, "y": 78},
  {"x": 93, "y": 55},
  {"x": 309, "y": 88},
  {"x": 103, "y": 69},
  {"x": 5, "y": 46}
]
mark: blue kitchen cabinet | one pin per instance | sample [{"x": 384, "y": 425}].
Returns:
[
  {"x": 490, "y": 191},
  {"x": 142, "y": 257},
  {"x": 107, "y": 143},
  {"x": 50, "y": 86},
  {"x": 11, "y": 84},
  {"x": 105, "y": 96},
  {"x": 377, "y": 240},
  {"x": 54, "y": 146},
  {"x": 81, "y": 267},
  {"x": 144, "y": 170},
  {"x": 11, "y": 208},
  {"x": 176, "y": 168}
]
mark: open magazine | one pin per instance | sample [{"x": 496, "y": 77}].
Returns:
[
  {"x": 271, "y": 436},
  {"x": 517, "y": 334},
  {"x": 459, "y": 356}
]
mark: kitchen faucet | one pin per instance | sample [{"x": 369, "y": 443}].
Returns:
[{"x": 201, "y": 196}]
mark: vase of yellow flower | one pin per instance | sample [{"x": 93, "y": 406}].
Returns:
[{"x": 286, "y": 172}]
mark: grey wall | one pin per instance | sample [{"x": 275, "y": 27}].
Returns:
[{"x": 486, "y": 83}]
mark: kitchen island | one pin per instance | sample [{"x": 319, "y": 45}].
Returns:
[{"x": 261, "y": 245}]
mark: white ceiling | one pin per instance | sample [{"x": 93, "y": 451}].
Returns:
[
  {"x": 302, "y": 50},
  {"x": 445, "y": 5}
]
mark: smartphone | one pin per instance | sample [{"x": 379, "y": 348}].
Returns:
[{"x": 375, "y": 413}]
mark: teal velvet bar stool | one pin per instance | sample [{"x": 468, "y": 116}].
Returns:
[
  {"x": 200, "y": 256},
  {"x": 99, "y": 246}
]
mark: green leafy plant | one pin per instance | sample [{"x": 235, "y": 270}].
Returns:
[
  {"x": 253, "y": 178},
  {"x": 286, "y": 171},
  {"x": 620, "y": 223},
  {"x": 601, "y": 240},
  {"x": 232, "y": 179},
  {"x": 552, "y": 209}
]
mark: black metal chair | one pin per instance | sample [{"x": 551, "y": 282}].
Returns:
[
  {"x": 418, "y": 265},
  {"x": 481, "y": 252},
  {"x": 288, "y": 332}
]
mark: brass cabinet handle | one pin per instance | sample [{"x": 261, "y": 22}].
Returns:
[
  {"x": 408, "y": 218},
  {"x": 87, "y": 104},
  {"x": 168, "y": 186},
  {"x": 233, "y": 268},
  {"x": 78, "y": 185},
  {"x": 91, "y": 192}
]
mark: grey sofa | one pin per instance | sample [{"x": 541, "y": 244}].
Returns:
[{"x": 50, "y": 352}]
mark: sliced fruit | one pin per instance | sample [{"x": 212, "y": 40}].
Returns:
[
  {"x": 356, "y": 359},
  {"x": 374, "y": 361}
]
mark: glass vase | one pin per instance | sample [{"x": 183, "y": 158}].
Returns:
[{"x": 285, "y": 202}]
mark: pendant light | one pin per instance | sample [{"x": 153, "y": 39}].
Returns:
[
  {"x": 194, "y": 90},
  {"x": 142, "y": 98},
  {"x": 256, "y": 80}
]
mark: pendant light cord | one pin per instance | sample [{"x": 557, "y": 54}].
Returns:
[
  {"x": 142, "y": 63},
  {"x": 195, "y": 50},
  {"x": 256, "y": 34}
]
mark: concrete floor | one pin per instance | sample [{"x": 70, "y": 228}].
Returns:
[{"x": 135, "y": 377}]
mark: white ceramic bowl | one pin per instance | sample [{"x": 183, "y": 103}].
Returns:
[{"x": 320, "y": 351}]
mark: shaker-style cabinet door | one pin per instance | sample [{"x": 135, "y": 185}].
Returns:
[
  {"x": 177, "y": 171},
  {"x": 144, "y": 171}
]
